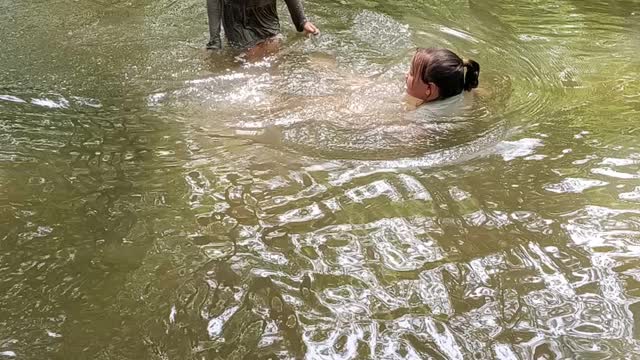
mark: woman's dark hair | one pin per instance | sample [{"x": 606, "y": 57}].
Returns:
[{"x": 445, "y": 69}]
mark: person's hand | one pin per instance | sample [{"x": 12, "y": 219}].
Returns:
[{"x": 309, "y": 28}]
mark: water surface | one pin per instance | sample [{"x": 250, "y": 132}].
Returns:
[{"x": 160, "y": 202}]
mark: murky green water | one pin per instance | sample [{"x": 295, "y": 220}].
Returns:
[{"x": 157, "y": 202}]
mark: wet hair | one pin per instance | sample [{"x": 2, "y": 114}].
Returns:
[{"x": 448, "y": 71}]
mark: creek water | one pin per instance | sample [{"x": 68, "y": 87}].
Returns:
[{"x": 161, "y": 202}]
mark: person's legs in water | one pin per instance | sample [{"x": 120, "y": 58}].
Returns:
[
  {"x": 252, "y": 30},
  {"x": 246, "y": 26},
  {"x": 263, "y": 49},
  {"x": 248, "y": 23}
]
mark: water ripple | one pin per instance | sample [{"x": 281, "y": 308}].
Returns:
[{"x": 161, "y": 202}]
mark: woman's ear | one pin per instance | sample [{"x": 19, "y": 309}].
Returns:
[
  {"x": 433, "y": 92},
  {"x": 428, "y": 90}
]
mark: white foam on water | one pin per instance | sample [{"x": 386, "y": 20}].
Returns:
[
  {"x": 458, "y": 33},
  {"x": 614, "y": 174},
  {"x": 12, "y": 98},
  {"x": 172, "y": 315},
  {"x": 155, "y": 99},
  {"x": 87, "y": 102},
  {"x": 214, "y": 328},
  {"x": 53, "y": 334},
  {"x": 575, "y": 185},
  {"x": 52, "y": 104},
  {"x": 510, "y": 150},
  {"x": 381, "y": 31},
  {"x": 619, "y": 162},
  {"x": 631, "y": 196}
]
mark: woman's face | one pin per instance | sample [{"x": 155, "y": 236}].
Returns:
[{"x": 418, "y": 88}]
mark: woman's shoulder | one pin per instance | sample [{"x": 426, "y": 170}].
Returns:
[{"x": 440, "y": 109}]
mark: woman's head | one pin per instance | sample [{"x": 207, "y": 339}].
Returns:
[{"x": 437, "y": 74}]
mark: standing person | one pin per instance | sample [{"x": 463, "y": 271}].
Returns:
[{"x": 252, "y": 25}]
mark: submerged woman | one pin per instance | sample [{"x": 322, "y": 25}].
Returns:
[
  {"x": 366, "y": 121},
  {"x": 438, "y": 74},
  {"x": 252, "y": 25}
]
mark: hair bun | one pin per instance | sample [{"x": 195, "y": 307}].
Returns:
[{"x": 472, "y": 75}]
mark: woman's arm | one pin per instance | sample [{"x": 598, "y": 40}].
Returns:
[
  {"x": 299, "y": 20},
  {"x": 214, "y": 12},
  {"x": 297, "y": 13}
]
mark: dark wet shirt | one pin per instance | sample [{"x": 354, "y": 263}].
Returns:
[{"x": 247, "y": 22}]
